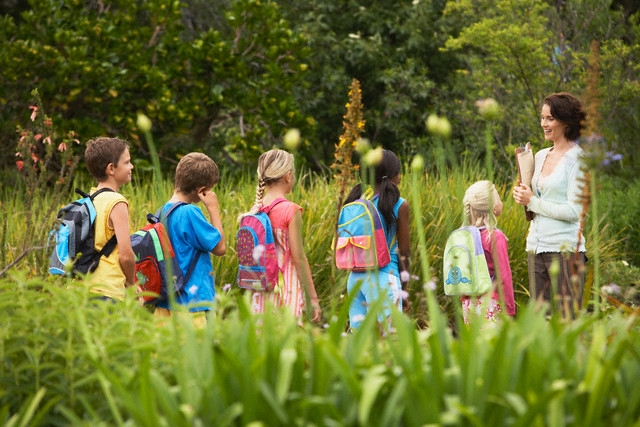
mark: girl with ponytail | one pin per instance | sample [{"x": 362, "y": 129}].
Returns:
[{"x": 388, "y": 282}]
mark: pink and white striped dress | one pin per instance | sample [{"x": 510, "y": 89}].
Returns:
[{"x": 289, "y": 291}]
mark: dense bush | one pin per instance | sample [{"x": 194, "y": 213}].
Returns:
[{"x": 225, "y": 88}]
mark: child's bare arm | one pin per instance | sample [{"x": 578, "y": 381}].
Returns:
[
  {"x": 120, "y": 220},
  {"x": 210, "y": 201},
  {"x": 300, "y": 262}
]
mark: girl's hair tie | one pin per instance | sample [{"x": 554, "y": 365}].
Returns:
[{"x": 384, "y": 177}]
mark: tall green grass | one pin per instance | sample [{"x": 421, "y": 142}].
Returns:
[
  {"x": 68, "y": 361},
  {"x": 440, "y": 197}
]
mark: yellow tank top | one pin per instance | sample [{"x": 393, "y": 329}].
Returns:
[{"x": 108, "y": 279}]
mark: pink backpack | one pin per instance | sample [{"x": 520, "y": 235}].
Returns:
[{"x": 258, "y": 268}]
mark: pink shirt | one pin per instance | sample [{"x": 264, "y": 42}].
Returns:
[
  {"x": 289, "y": 291},
  {"x": 504, "y": 267}
]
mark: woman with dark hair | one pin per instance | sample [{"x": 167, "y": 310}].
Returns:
[
  {"x": 389, "y": 281},
  {"x": 554, "y": 233}
]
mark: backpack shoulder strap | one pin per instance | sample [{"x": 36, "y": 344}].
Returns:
[
  {"x": 159, "y": 217},
  {"x": 112, "y": 242},
  {"x": 176, "y": 205},
  {"x": 267, "y": 209},
  {"x": 369, "y": 196},
  {"x": 192, "y": 266},
  {"x": 95, "y": 194},
  {"x": 108, "y": 247}
]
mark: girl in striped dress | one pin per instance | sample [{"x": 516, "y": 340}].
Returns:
[{"x": 276, "y": 178}]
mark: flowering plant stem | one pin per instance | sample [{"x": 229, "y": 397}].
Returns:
[
  {"x": 596, "y": 243},
  {"x": 432, "y": 305},
  {"x": 437, "y": 326},
  {"x": 488, "y": 137}
]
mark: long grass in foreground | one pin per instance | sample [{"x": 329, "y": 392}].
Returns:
[{"x": 67, "y": 360}]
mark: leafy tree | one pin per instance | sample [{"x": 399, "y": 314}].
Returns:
[
  {"x": 248, "y": 69},
  {"x": 226, "y": 90},
  {"x": 392, "y": 51},
  {"x": 507, "y": 48},
  {"x": 231, "y": 77},
  {"x": 520, "y": 51}
]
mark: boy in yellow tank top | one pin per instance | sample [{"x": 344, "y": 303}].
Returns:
[{"x": 109, "y": 162}]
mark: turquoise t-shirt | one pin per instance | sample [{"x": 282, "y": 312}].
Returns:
[{"x": 190, "y": 233}]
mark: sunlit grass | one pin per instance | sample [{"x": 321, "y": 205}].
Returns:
[{"x": 441, "y": 208}]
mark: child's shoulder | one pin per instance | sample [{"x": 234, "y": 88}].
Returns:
[
  {"x": 285, "y": 204},
  {"x": 106, "y": 194},
  {"x": 499, "y": 235},
  {"x": 282, "y": 212}
]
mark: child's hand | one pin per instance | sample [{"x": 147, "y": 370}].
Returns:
[
  {"x": 317, "y": 311},
  {"x": 208, "y": 198}
]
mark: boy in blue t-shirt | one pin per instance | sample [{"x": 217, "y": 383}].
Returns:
[{"x": 191, "y": 233}]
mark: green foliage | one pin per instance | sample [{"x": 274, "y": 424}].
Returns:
[
  {"x": 105, "y": 363},
  {"x": 255, "y": 60},
  {"x": 114, "y": 364},
  {"x": 519, "y": 52},
  {"x": 622, "y": 207},
  {"x": 230, "y": 78},
  {"x": 45, "y": 162},
  {"x": 506, "y": 48},
  {"x": 393, "y": 52},
  {"x": 224, "y": 89}
]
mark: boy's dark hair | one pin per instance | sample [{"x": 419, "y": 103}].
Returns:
[
  {"x": 196, "y": 170},
  {"x": 569, "y": 110},
  {"x": 388, "y": 193},
  {"x": 100, "y": 152}
]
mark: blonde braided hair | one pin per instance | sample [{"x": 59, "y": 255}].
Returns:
[{"x": 272, "y": 166}]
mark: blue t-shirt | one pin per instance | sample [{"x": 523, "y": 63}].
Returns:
[{"x": 190, "y": 233}]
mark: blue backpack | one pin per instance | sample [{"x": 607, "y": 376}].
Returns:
[
  {"x": 74, "y": 237},
  {"x": 464, "y": 266},
  {"x": 361, "y": 241}
]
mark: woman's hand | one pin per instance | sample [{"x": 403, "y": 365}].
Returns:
[{"x": 522, "y": 194}]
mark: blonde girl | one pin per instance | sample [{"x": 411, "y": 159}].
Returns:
[
  {"x": 482, "y": 206},
  {"x": 276, "y": 178}
]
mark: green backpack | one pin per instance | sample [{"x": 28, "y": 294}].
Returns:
[{"x": 464, "y": 266}]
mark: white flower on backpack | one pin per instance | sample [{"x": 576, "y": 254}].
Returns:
[{"x": 258, "y": 251}]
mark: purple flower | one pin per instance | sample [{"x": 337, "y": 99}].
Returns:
[{"x": 610, "y": 157}]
